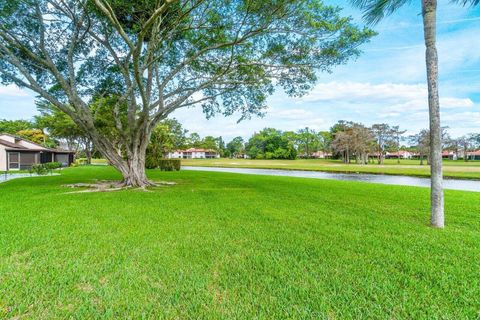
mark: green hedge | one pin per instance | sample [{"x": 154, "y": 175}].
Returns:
[
  {"x": 52, "y": 165},
  {"x": 42, "y": 169},
  {"x": 151, "y": 162},
  {"x": 163, "y": 164},
  {"x": 169, "y": 164},
  {"x": 39, "y": 169}
]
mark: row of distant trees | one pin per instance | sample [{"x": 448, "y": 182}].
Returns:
[{"x": 346, "y": 140}]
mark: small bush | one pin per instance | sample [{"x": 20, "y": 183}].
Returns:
[
  {"x": 81, "y": 162},
  {"x": 151, "y": 162},
  {"x": 39, "y": 169},
  {"x": 169, "y": 164},
  {"x": 52, "y": 165}
]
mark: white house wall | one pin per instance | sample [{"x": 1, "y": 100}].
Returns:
[
  {"x": 194, "y": 155},
  {"x": 3, "y": 158}
]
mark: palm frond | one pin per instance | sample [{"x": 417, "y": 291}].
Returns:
[
  {"x": 376, "y": 10},
  {"x": 467, "y": 2}
]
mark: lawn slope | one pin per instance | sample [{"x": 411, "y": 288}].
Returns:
[{"x": 224, "y": 246}]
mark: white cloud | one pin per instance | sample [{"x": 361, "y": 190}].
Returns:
[
  {"x": 422, "y": 104},
  {"x": 291, "y": 114},
  {"x": 12, "y": 91},
  {"x": 394, "y": 96},
  {"x": 396, "y": 103},
  {"x": 462, "y": 119},
  {"x": 451, "y": 103},
  {"x": 364, "y": 91},
  {"x": 458, "y": 51}
]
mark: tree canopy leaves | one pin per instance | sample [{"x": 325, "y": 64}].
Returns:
[{"x": 144, "y": 59}]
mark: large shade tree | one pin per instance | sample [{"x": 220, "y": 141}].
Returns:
[
  {"x": 376, "y": 10},
  {"x": 144, "y": 59}
]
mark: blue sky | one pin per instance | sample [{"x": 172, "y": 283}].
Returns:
[{"x": 385, "y": 84}]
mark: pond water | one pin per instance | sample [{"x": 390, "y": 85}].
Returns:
[{"x": 453, "y": 184}]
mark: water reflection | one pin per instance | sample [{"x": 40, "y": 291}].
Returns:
[{"x": 454, "y": 184}]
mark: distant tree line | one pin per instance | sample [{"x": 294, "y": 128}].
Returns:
[{"x": 346, "y": 140}]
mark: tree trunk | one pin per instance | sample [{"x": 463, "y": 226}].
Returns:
[
  {"x": 132, "y": 168},
  {"x": 398, "y": 151},
  {"x": 135, "y": 175},
  {"x": 131, "y": 164},
  {"x": 437, "y": 218},
  {"x": 88, "y": 154}
]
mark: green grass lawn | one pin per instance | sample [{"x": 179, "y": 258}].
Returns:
[
  {"x": 226, "y": 246},
  {"x": 452, "y": 169}
]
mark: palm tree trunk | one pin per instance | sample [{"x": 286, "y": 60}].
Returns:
[
  {"x": 437, "y": 219},
  {"x": 398, "y": 150}
]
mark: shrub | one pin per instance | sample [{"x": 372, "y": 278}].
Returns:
[
  {"x": 269, "y": 155},
  {"x": 169, "y": 164},
  {"x": 151, "y": 162},
  {"x": 39, "y": 169},
  {"x": 52, "y": 165},
  {"x": 81, "y": 162}
]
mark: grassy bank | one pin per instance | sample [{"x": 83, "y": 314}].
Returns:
[
  {"x": 230, "y": 246},
  {"x": 452, "y": 169}
]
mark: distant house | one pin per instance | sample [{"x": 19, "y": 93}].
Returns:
[
  {"x": 450, "y": 154},
  {"x": 474, "y": 155},
  {"x": 193, "y": 153},
  {"x": 402, "y": 154},
  {"x": 242, "y": 156},
  {"x": 321, "y": 155},
  {"x": 20, "y": 154}
]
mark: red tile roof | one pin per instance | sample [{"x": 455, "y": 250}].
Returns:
[{"x": 196, "y": 150}]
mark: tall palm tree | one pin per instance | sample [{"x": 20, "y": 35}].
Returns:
[{"x": 376, "y": 10}]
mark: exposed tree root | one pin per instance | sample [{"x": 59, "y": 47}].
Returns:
[{"x": 109, "y": 186}]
